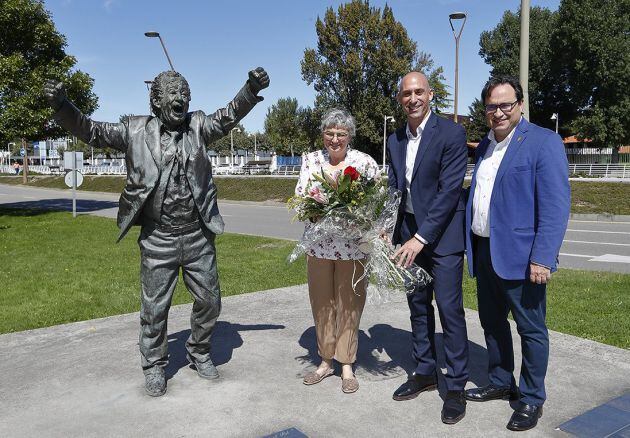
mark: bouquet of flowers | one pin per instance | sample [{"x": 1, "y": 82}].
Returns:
[{"x": 350, "y": 205}]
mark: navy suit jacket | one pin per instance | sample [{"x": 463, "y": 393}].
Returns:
[
  {"x": 529, "y": 205},
  {"x": 436, "y": 183}
]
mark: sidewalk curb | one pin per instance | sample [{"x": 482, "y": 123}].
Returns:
[{"x": 600, "y": 217}]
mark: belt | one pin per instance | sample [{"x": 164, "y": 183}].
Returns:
[{"x": 174, "y": 229}]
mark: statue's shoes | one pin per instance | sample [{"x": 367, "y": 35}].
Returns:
[
  {"x": 206, "y": 370},
  {"x": 155, "y": 381}
]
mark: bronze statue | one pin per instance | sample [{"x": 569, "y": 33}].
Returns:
[{"x": 170, "y": 193}]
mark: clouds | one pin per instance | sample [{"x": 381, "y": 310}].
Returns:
[{"x": 108, "y": 4}]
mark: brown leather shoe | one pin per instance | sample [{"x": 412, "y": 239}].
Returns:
[
  {"x": 312, "y": 378},
  {"x": 349, "y": 386}
]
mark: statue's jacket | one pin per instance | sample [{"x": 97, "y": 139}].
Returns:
[{"x": 139, "y": 138}]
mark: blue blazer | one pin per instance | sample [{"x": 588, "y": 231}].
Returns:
[
  {"x": 436, "y": 183},
  {"x": 529, "y": 205}
]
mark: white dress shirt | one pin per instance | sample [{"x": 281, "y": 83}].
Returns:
[
  {"x": 412, "y": 150},
  {"x": 486, "y": 175}
]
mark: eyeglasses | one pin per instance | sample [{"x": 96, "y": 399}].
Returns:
[
  {"x": 504, "y": 107},
  {"x": 331, "y": 135}
]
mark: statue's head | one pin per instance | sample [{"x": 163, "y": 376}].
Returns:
[{"x": 170, "y": 96}]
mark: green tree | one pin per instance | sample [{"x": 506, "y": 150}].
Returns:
[
  {"x": 241, "y": 140},
  {"x": 32, "y": 51},
  {"x": 593, "y": 42},
  {"x": 500, "y": 48},
  {"x": 362, "y": 53},
  {"x": 286, "y": 128},
  {"x": 477, "y": 128}
]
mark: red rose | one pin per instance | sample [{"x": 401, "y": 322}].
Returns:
[{"x": 354, "y": 173}]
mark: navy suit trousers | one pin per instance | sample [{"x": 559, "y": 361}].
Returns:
[
  {"x": 447, "y": 286},
  {"x": 527, "y": 302}
]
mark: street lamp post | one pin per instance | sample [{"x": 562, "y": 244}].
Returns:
[
  {"x": 524, "y": 56},
  {"x": 385, "y": 119},
  {"x": 157, "y": 35},
  {"x": 451, "y": 17},
  {"x": 232, "y": 145},
  {"x": 555, "y": 117},
  {"x": 148, "y": 84}
]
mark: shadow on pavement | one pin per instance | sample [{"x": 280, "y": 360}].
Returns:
[
  {"x": 225, "y": 339},
  {"x": 39, "y": 206},
  {"x": 396, "y": 345}
]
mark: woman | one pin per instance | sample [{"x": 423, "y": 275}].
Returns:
[{"x": 333, "y": 263}]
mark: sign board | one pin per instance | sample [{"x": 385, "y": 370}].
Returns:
[
  {"x": 69, "y": 177},
  {"x": 22, "y": 152},
  {"x": 67, "y": 160},
  {"x": 42, "y": 150},
  {"x": 59, "y": 144}
]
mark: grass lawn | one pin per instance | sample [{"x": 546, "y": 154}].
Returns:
[
  {"x": 55, "y": 269},
  {"x": 592, "y": 305},
  {"x": 586, "y": 197}
]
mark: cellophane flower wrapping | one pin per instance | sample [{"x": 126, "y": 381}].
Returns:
[{"x": 348, "y": 205}]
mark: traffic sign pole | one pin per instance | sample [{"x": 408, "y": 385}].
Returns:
[
  {"x": 25, "y": 162},
  {"x": 74, "y": 183}
]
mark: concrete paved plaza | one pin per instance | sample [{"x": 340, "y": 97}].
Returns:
[{"x": 84, "y": 379}]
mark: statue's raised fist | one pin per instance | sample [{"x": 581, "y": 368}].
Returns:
[
  {"x": 258, "y": 79},
  {"x": 55, "y": 93}
]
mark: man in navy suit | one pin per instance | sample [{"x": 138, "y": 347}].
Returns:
[
  {"x": 427, "y": 164},
  {"x": 516, "y": 217}
]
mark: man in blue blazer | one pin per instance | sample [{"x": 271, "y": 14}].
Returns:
[
  {"x": 516, "y": 217},
  {"x": 427, "y": 163}
]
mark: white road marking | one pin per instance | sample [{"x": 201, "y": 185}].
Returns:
[
  {"x": 600, "y": 222},
  {"x": 611, "y": 258},
  {"x": 595, "y": 231},
  {"x": 597, "y": 243},
  {"x": 576, "y": 255}
]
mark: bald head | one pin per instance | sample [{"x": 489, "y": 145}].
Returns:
[
  {"x": 414, "y": 95},
  {"x": 417, "y": 76}
]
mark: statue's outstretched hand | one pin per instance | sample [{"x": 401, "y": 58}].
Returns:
[
  {"x": 55, "y": 93},
  {"x": 258, "y": 79}
]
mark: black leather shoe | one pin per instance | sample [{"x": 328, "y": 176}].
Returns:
[
  {"x": 491, "y": 392},
  {"x": 414, "y": 386},
  {"x": 525, "y": 417},
  {"x": 454, "y": 407}
]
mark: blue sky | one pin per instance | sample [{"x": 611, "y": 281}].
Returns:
[{"x": 215, "y": 43}]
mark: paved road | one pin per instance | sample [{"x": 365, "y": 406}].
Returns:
[{"x": 603, "y": 246}]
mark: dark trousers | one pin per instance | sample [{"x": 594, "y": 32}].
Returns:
[
  {"x": 527, "y": 302},
  {"x": 447, "y": 285},
  {"x": 162, "y": 255}
]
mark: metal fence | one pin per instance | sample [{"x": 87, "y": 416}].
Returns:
[
  {"x": 287, "y": 170},
  {"x": 590, "y": 170},
  {"x": 600, "y": 170},
  {"x": 587, "y": 170}
]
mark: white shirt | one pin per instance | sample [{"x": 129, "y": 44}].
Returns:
[
  {"x": 412, "y": 150},
  {"x": 486, "y": 175}
]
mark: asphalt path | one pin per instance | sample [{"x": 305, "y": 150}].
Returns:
[{"x": 590, "y": 245}]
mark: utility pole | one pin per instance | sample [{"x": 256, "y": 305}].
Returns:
[{"x": 524, "y": 56}]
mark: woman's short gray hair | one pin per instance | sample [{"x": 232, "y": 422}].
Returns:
[{"x": 338, "y": 118}]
